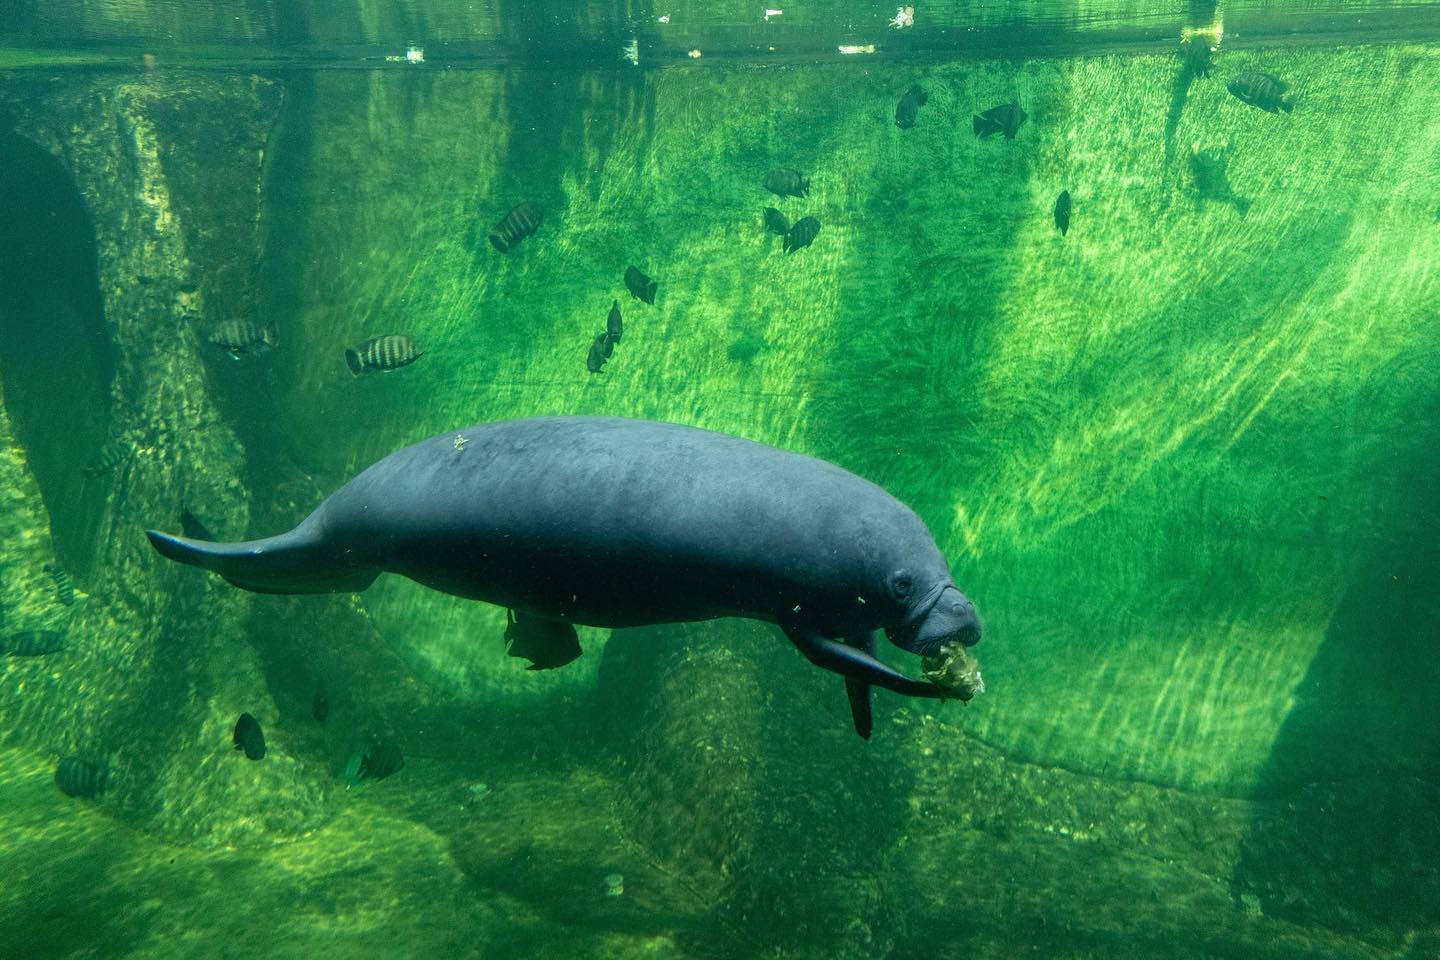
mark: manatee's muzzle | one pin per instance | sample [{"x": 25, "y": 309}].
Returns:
[{"x": 950, "y": 616}]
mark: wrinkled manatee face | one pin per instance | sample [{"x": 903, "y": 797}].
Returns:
[{"x": 942, "y": 615}]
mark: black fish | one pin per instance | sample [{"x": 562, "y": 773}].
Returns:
[
  {"x": 79, "y": 778},
  {"x": 1005, "y": 119},
  {"x": 379, "y": 761},
  {"x": 389, "y": 352},
  {"x": 249, "y": 737},
  {"x": 320, "y": 705},
  {"x": 518, "y": 224},
  {"x": 237, "y": 337},
  {"x": 108, "y": 457},
  {"x": 1263, "y": 90},
  {"x": 613, "y": 327},
  {"x": 640, "y": 286},
  {"x": 776, "y": 222},
  {"x": 1195, "y": 56},
  {"x": 1062, "y": 212},
  {"x": 191, "y": 526},
  {"x": 32, "y": 643},
  {"x": 787, "y": 182},
  {"x": 599, "y": 353},
  {"x": 546, "y": 643},
  {"x": 64, "y": 584},
  {"x": 908, "y": 106},
  {"x": 802, "y": 234}
]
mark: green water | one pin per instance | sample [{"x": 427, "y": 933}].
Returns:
[{"x": 1182, "y": 458}]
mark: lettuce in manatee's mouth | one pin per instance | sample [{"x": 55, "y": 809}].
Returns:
[{"x": 954, "y": 670}]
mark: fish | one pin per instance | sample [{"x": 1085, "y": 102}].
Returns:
[
  {"x": 64, "y": 584},
  {"x": 320, "y": 705},
  {"x": 908, "y": 106},
  {"x": 787, "y": 183},
  {"x": 1005, "y": 119},
  {"x": 613, "y": 326},
  {"x": 595, "y": 361},
  {"x": 108, "y": 457},
  {"x": 640, "y": 286},
  {"x": 238, "y": 336},
  {"x": 80, "y": 778},
  {"x": 1195, "y": 57},
  {"x": 546, "y": 643},
  {"x": 191, "y": 526},
  {"x": 1062, "y": 212},
  {"x": 390, "y": 352},
  {"x": 776, "y": 222},
  {"x": 1263, "y": 90},
  {"x": 249, "y": 737},
  {"x": 32, "y": 643},
  {"x": 521, "y": 222},
  {"x": 379, "y": 760},
  {"x": 802, "y": 234}
]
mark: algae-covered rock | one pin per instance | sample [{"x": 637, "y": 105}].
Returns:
[{"x": 157, "y": 665}]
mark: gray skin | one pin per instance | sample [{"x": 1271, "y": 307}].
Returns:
[{"x": 611, "y": 522}]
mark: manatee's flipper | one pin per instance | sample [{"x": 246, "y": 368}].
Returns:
[
  {"x": 546, "y": 643},
  {"x": 859, "y": 665},
  {"x": 858, "y": 691},
  {"x": 294, "y": 562}
]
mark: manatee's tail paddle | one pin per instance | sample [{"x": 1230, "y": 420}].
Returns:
[{"x": 294, "y": 562}]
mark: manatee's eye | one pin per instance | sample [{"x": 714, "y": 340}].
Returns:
[{"x": 900, "y": 584}]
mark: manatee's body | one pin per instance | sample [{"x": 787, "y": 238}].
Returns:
[{"x": 618, "y": 523}]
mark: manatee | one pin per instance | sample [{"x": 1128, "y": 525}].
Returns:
[{"x": 611, "y": 522}]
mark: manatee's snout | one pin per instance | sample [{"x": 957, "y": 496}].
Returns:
[{"x": 951, "y": 617}]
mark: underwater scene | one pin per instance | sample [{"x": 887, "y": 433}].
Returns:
[{"x": 605, "y": 479}]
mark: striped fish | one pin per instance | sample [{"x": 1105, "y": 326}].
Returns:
[
  {"x": 613, "y": 327},
  {"x": 518, "y": 224},
  {"x": 239, "y": 336},
  {"x": 640, "y": 286},
  {"x": 108, "y": 457},
  {"x": 31, "y": 643},
  {"x": 600, "y": 350},
  {"x": 785, "y": 182},
  {"x": 80, "y": 778},
  {"x": 389, "y": 352},
  {"x": 64, "y": 584},
  {"x": 802, "y": 234}
]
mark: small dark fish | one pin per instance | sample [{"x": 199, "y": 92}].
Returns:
[
  {"x": 238, "y": 336},
  {"x": 640, "y": 286},
  {"x": 595, "y": 361},
  {"x": 32, "y": 643},
  {"x": 776, "y": 222},
  {"x": 613, "y": 326},
  {"x": 390, "y": 352},
  {"x": 320, "y": 705},
  {"x": 64, "y": 584},
  {"x": 1195, "y": 56},
  {"x": 546, "y": 643},
  {"x": 519, "y": 223},
  {"x": 1062, "y": 212},
  {"x": 379, "y": 761},
  {"x": 1005, "y": 119},
  {"x": 249, "y": 737},
  {"x": 191, "y": 526},
  {"x": 1263, "y": 90},
  {"x": 787, "y": 183},
  {"x": 908, "y": 106},
  {"x": 79, "y": 778},
  {"x": 108, "y": 457},
  {"x": 802, "y": 234}
]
